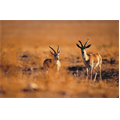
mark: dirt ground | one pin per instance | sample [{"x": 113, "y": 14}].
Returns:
[{"x": 25, "y": 46}]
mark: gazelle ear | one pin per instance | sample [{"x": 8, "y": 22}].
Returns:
[
  {"x": 52, "y": 53},
  {"x": 78, "y": 45},
  {"x": 88, "y": 46}
]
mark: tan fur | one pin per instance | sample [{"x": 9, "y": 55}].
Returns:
[
  {"x": 93, "y": 59},
  {"x": 90, "y": 60},
  {"x": 52, "y": 63},
  {"x": 48, "y": 63}
]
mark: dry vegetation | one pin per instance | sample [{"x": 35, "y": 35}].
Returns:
[{"x": 24, "y": 45}]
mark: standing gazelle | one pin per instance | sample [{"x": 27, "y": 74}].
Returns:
[
  {"x": 90, "y": 60},
  {"x": 51, "y": 63}
]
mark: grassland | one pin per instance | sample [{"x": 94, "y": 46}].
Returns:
[{"x": 24, "y": 45}]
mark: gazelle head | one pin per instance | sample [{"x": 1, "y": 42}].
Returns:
[
  {"x": 56, "y": 54},
  {"x": 83, "y": 47}
]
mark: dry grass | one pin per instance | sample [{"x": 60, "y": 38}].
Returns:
[{"x": 24, "y": 45}]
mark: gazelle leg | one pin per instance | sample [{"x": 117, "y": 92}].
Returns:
[
  {"x": 100, "y": 73},
  {"x": 87, "y": 74},
  {"x": 32, "y": 76},
  {"x": 95, "y": 76},
  {"x": 91, "y": 73}
]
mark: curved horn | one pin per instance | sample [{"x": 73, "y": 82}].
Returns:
[
  {"x": 80, "y": 43},
  {"x": 58, "y": 49},
  {"x": 52, "y": 49},
  {"x": 86, "y": 42}
]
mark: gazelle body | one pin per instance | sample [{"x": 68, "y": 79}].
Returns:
[
  {"x": 51, "y": 63},
  {"x": 90, "y": 60}
]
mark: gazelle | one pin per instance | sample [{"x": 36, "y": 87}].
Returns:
[
  {"x": 90, "y": 60},
  {"x": 51, "y": 63}
]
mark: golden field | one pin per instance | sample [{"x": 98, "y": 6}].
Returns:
[{"x": 25, "y": 45}]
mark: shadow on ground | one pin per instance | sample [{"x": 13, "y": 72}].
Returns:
[{"x": 109, "y": 74}]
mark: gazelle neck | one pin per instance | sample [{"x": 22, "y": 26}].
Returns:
[{"x": 85, "y": 56}]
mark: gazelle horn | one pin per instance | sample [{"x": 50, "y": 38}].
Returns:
[
  {"x": 52, "y": 49},
  {"x": 58, "y": 49},
  {"x": 80, "y": 43},
  {"x": 86, "y": 43}
]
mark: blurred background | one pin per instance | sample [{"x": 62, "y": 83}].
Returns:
[{"x": 62, "y": 32}]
